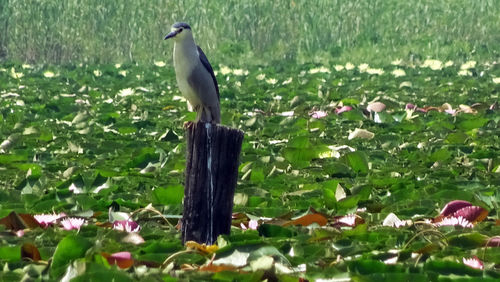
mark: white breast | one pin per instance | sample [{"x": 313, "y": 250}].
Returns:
[{"x": 185, "y": 60}]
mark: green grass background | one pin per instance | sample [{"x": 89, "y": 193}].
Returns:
[{"x": 243, "y": 32}]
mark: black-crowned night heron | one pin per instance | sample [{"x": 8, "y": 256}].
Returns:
[{"x": 195, "y": 76}]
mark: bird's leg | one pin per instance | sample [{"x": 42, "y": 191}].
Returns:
[
  {"x": 207, "y": 115},
  {"x": 197, "y": 109},
  {"x": 188, "y": 124}
]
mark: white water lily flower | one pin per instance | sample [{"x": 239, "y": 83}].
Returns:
[
  {"x": 126, "y": 92},
  {"x": 393, "y": 220},
  {"x": 448, "y": 64},
  {"x": 287, "y": 114},
  {"x": 118, "y": 66},
  {"x": 240, "y": 72},
  {"x": 15, "y": 74},
  {"x": 375, "y": 71},
  {"x": 433, "y": 64},
  {"x": 224, "y": 70},
  {"x": 319, "y": 70},
  {"x": 465, "y": 72},
  {"x": 405, "y": 84},
  {"x": 289, "y": 80},
  {"x": 349, "y": 66},
  {"x": 48, "y": 74},
  {"x": 160, "y": 64},
  {"x": 397, "y": 62},
  {"x": 468, "y": 65},
  {"x": 97, "y": 73},
  {"x": 272, "y": 142},
  {"x": 496, "y": 80},
  {"x": 122, "y": 73},
  {"x": 363, "y": 67},
  {"x": 339, "y": 67},
  {"x": 261, "y": 76},
  {"x": 26, "y": 66},
  {"x": 398, "y": 72},
  {"x": 271, "y": 80}
]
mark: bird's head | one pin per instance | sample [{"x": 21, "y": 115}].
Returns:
[{"x": 179, "y": 31}]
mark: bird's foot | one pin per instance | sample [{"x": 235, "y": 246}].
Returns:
[{"x": 188, "y": 124}]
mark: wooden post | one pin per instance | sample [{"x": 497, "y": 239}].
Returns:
[{"x": 211, "y": 173}]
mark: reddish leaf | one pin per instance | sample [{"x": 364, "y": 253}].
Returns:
[
  {"x": 15, "y": 221},
  {"x": 430, "y": 248},
  {"x": 239, "y": 218},
  {"x": 29, "y": 220},
  {"x": 217, "y": 268},
  {"x": 122, "y": 259},
  {"x": 30, "y": 252},
  {"x": 104, "y": 224},
  {"x": 308, "y": 219},
  {"x": 454, "y": 206},
  {"x": 426, "y": 109},
  {"x": 493, "y": 242},
  {"x": 148, "y": 263},
  {"x": 473, "y": 213}
]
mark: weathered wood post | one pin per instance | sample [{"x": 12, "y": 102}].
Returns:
[{"x": 211, "y": 173}]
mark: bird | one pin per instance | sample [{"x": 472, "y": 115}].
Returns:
[{"x": 194, "y": 74}]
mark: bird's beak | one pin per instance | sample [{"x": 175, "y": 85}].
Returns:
[{"x": 171, "y": 34}]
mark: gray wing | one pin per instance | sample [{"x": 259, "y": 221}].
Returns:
[{"x": 209, "y": 68}]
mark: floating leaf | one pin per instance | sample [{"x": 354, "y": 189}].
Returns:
[
  {"x": 357, "y": 161},
  {"x": 361, "y": 133},
  {"x": 171, "y": 195},
  {"x": 69, "y": 248}
]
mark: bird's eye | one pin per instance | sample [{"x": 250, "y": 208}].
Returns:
[{"x": 180, "y": 30}]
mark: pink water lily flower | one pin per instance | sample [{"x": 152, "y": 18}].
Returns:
[
  {"x": 473, "y": 262},
  {"x": 252, "y": 224},
  {"x": 48, "y": 219},
  {"x": 454, "y": 221},
  {"x": 126, "y": 225},
  {"x": 340, "y": 110},
  {"x": 71, "y": 223},
  {"x": 318, "y": 114}
]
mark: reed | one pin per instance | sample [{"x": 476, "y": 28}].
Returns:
[{"x": 259, "y": 31}]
